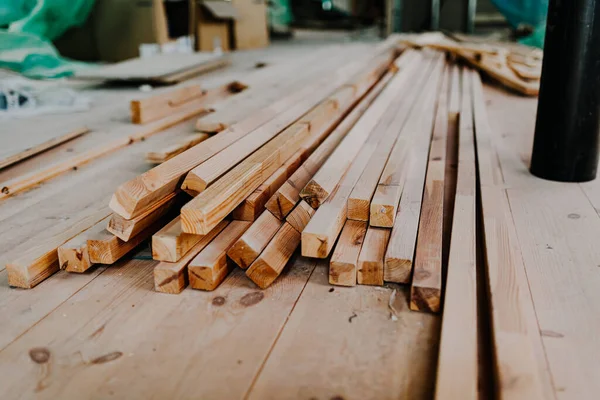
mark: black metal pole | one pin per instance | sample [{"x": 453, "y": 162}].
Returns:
[{"x": 566, "y": 139}]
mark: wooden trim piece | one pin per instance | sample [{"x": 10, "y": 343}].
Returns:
[
  {"x": 288, "y": 195},
  {"x": 172, "y": 277},
  {"x": 331, "y": 172},
  {"x": 74, "y": 256},
  {"x": 254, "y": 205},
  {"x": 171, "y": 242},
  {"x": 430, "y": 242},
  {"x": 460, "y": 331},
  {"x": 344, "y": 261},
  {"x": 210, "y": 267},
  {"x": 126, "y": 229},
  {"x": 160, "y": 105},
  {"x": 40, "y": 148},
  {"x": 271, "y": 262},
  {"x": 370, "y": 260},
  {"x": 134, "y": 196},
  {"x": 254, "y": 240},
  {"x": 160, "y": 156},
  {"x": 515, "y": 328},
  {"x": 40, "y": 261},
  {"x": 300, "y": 216}
]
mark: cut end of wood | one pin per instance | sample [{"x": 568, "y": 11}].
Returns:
[
  {"x": 314, "y": 194},
  {"x": 279, "y": 205},
  {"x": 342, "y": 274},
  {"x": 210, "y": 127},
  {"x": 193, "y": 221},
  {"x": 135, "y": 107},
  {"x": 74, "y": 259},
  {"x": 162, "y": 247},
  {"x": 425, "y": 299},
  {"x": 204, "y": 278},
  {"x": 169, "y": 281},
  {"x": 193, "y": 184},
  {"x": 370, "y": 273},
  {"x": 397, "y": 270},
  {"x": 358, "y": 210},
  {"x": 315, "y": 246},
  {"x": 18, "y": 277},
  {"x": 261, "y": 274},
  {"x": 119, "y": 201},
  {"x": 242, "y": 254},
  {"x": 382, "y": 216}
]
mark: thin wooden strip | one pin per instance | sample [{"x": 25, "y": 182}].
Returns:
[
  {"x": 343, "y": 266},
  {"x": 254, "y": 205},
  {"x": 321, "y": 233},
  {"x": 300, "y": 216},
  {"x": 210, "y": 267},
  {"x": 370, "y": 260},
  {"x": 40, "y": 261},
  {"x": 247, "y": 248},
  {"x": 460, "y": 332},
  {"x": 160, "y": 156},
  {"x": 515, "y": 329},
  {"x": 172, "y": 277},
  {"x": 331, "y": 172},
  {"x": 133, "y": 197},
  {"x": 74, "y": 256},
  {"x": 211, "y": 206},
  {"x": 160, "y": 105},
  {"x": 288, "y": 195},
  {"x": 430, "y": 242},
  {"x": 171, "y": 242},
  {"x": 417, "y": 132},
  {"x": 270, "y": 263},
  {"x": 126, "y": 229},
  {"x": 39, "y": 148}
]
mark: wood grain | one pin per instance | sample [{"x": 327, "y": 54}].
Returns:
[
  {"x": 171, "y": 242},
  {"x": 247, "y": 248},
  {"x": 160, "y": 156},
  {"x": 74, "y": 256},
  {"x": 343, "y": 265},
  {"x": 370, "y": 260}
]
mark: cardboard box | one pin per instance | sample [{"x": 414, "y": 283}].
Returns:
[
  {"x": 214, "y": 22},
  {"x": 250, "y": 29}
]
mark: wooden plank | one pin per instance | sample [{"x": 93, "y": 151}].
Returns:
[
  {"x": 331, "y": 172},
  {"x": 39, "y": 148},
  {"x": 254, "y": 205},
  {"x": 288, "y": 195},
  {"x": 171, "y": 242},
  {"x": 321, "y": 233},
  {"x": 74, "y": 256},
  {"x": 391, "y": 358},
  {"x": 370, "y": 260},
  {"x": 126, "y": 229},
  {"x": 343, "y": 266},
  {"x": 515, "y": 332},
  {"x": 429, "y": 247},
  {"x": 172, "y": 277},
  {"x": 270, "y": 263},
  {"x": 300, "y": 216},
  {"x": 38, "y": 262},
  {"x": 210, "y": 267},
  {"x": 247, "y": 248},
  {"x": 134, "y": 196},
  {"x": 460, "y": 330},
  {"x": 162, "y": 104},
  {"x": 160, "y": 156},
  {"x": 417, "y": 132}
]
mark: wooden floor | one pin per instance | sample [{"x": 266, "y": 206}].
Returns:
[{"x": 107, "y": 334}]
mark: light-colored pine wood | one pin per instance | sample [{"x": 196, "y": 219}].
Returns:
[
  {"x": 331, "y": 172},
  {"x": 417, "y": 132},
  {"x": 39, "y": 148},
  {"x": 370, "y": 260},
  {"x": 270, "y": 263},
  {"x": 515, "y": 330},
  {"x": 288, "y": 195},
  {"x": 343, "y": 265},
  {"x": 160, "y": 156},
  {"x": 300, "y": 216},
  {"x": 254, "y": 204},
  {"x": 40, "y": 261},
  {"x": 210, "y": 267},
  {"x": 74, "y": 256},
  {"x": 430, "y": 241},
  {"x": 460, "y": 329},
  {"x": 160, "y": 105},
  {"x": 172, "y": 277},
  {"x": 171, "y": 242},
  {"x": 126, "y": 229},
  {"x": 247, "y": 248},
  {"x": 134, "y": 196}
]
